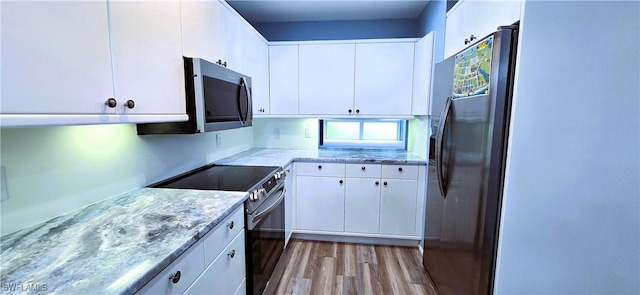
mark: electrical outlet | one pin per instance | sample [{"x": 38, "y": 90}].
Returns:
[
  {"x": 307, "y": 133},
  {"x": 276, "y": 133},
  {"x": 3, "y": 185},
  {"x": 218, "y": 141}
]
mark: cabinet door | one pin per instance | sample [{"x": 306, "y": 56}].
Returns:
[
  {"x": 288, "y": 202},
  {"x": 484, "y": 17},
  {"x": 200, "y": 34},
  {"x": 231, "y": 31},
  {"x": 422, "y": 70},
  {"x": 55, "y": 57},
  {"x": 283, "y": 79},
  {"x": 384, "y": 78},
  {"x": 147, "y": 56},
  {"x": 326, "y": 73},
  {"x": 398, "y": 207},
  {"x": 477, "y": 18},
  {"x": 456, "y": 30},
  {"x": 256, "y": 66},
  {"x": 190, "y": 264},
  {"x": 361, "y": 205},
  {"x": 320, "y": 203},
  {"x": 226, "y": 273}
]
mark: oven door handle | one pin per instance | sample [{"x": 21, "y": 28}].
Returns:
[{"x": 271, "y": 207}]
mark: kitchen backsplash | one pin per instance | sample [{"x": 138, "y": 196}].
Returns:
[
  {"x": 286, "y": 133},
  {"x": 54, "y": 170}
]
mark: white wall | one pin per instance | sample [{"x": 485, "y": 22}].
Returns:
[
  {"x": 571, "y": 211},
  {"x": 418, "y": 136},
  {"x": 292, "y": 133},
  {"x": 54, "y": 170}
]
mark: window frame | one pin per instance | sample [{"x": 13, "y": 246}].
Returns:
[{"x": 400, "y": 144}]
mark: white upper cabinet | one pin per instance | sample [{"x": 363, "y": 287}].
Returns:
[
  {"x": 231, "y": 33},
  {"x": 384, "y": 78},
  {"x": 63, "y": 60},
  {"x": 326, "y": 79},
  {"x": 147, "y": 57},
  {"x": 256, "y": 66},
  {"x": 200, "y": 37},
  {"x": 471, "y": 20},
  {"x": 422, "y": 72},
  {"x": 283, "y": 79},
  {"x": 55, "y": 58}
]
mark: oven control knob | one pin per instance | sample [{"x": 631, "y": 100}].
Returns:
[
  {"x": 277, "y": 175},
  {"x": 255, "y": 195}
]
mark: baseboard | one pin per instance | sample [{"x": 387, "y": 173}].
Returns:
[{"x": 344, "y": 238}]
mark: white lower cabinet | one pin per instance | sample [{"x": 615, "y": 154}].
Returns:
[
  {"x": 179, "y": 275},
  {"x": 226, "y": 273},
  {"x": 361, "y": 205},
  {"x": 289, "y": 185},
  {"x": 320, "y": 203},
  {"x": 368, "y": 200},
  {"x": 213, "y": 265},
  {"x": 398, "y": 207}
]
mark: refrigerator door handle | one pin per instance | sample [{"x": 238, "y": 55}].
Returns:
[{"x": 440, "y": 141}]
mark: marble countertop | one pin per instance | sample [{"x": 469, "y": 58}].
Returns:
[
  {"x": 282, "y": 157},
  {"x": 114, "y": 246}
]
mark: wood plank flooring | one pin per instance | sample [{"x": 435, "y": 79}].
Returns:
[{"x": 316, "y": 267}]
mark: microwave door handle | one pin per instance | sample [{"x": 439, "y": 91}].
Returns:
[{"x": 247, "y": 117}]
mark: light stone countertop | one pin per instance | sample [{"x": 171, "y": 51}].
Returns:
[
  {"x": 115, "y": 246},
  {"x": 282, "y": 157},
  {"x": 119, "y": 244}
]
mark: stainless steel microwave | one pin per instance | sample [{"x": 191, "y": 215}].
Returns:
[{"x": 217, "y": 99}]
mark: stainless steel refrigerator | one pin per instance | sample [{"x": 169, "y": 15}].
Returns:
[{"x": 470, "y": 105}]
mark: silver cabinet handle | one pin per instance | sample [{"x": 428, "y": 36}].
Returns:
[
  {"x": 175, "y": 277},
  {"x": 232, "y": 253},
  {"x": 230, "y": 225}
]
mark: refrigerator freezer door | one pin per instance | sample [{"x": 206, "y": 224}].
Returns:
[{"x": 459, "y": 234}]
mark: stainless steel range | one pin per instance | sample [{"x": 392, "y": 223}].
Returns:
[{"x": 264, "y": 211}]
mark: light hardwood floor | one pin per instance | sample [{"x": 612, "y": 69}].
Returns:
[{"x": 316, "y": 267}]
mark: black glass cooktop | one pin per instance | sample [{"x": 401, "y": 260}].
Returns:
[{"x": 223, "y": 178}]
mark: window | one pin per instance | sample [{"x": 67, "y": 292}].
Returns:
[{"x": 364, "y": 133}]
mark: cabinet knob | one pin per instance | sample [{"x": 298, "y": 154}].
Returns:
[
  {"x": 466, "y": 41},
  {"x": 224, "y": 64},
  {"x": 472, "y": 37},
  {"x": 175, "y": 277},
  {"x": 130, "y": 104},
  {"x": 400, "y": 169},
  {"x": 364, "y": 168},
  {"x": 232, "y": 253},
  {"x": 358, "y": 111},
  {"x": 341, "y": 181},
  {"x": 377, "y": 182},
  {"x": 230, "y": 224},
  {"x": 319, "y": 166},
  {"x": 219, "y": 62},
  {"x": 385, "y": 183},
  {"x": 111, "y": 102},
  {"x": 350, "y": 111}
]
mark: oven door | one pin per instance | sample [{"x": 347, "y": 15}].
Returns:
[{"x": 264, "y": 241}]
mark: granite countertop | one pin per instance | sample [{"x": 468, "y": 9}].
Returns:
[
  {"x": 282, "y": 157},
  {"x": 114, "y": 246}
]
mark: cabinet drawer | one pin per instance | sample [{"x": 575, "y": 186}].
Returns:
[
  {"x": 190, "y": 264},
  {"x": 222, "y": 234},
  {"x": 320, "y": 169},
  {"x": 363, "y": 170},
  {"x": 226, "y": 273},
  {"x": 400, "y": 171}
]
